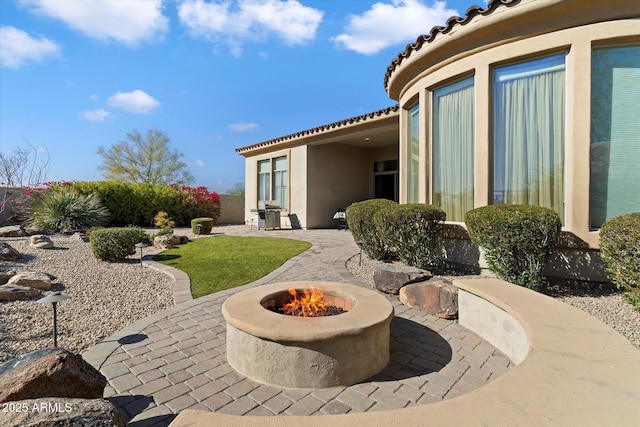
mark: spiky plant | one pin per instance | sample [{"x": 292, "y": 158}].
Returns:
[{"x": 66, "y": 210}]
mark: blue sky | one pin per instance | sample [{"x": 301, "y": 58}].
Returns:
[{"x": 213, "y": 75}]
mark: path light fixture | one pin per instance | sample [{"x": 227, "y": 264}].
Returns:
[
  {"x": 141, "y": 245},
  {"x": 54, "y": 298},
  {"x": 199, "y": 229},
  {"x": 360, "y": 243}
]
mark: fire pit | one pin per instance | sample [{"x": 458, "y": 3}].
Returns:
[{"x": 292, "y": 351}]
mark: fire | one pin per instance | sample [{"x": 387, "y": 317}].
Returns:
[{"x": 308, "y": 304}]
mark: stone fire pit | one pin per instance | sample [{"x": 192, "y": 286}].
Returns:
[{"x": 308, "y": 352}]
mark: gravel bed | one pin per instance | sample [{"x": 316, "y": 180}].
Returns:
[
  {"x": 600, "y": 301},
  {"x": 105, "y": 297}
]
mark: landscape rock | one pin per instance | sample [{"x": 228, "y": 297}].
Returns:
[
  {"x": 6, "y": 275},
  {"x": 12, "y": 231},
  {"x": 80, "y": 237},
  {"x": 32, "y": 280},
  {"x": 162, "y": 242},
  {"x": 7, "y": 253},
  {"x": 63, "y": 412},
  {"x": 173, "y": 239},
  {"x": 32, "y": 230},
  {"x": 15, "y": 293},
  {"x": 436, "y": 296},
  {"x": 389, "y": 278},
  {"x": 51, "y": 372},
  {"x": 41, "y": 241}
]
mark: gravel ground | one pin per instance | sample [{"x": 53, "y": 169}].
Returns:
[
  {"x": 600, "y": 301},
  {"x": 105, "y": 297}
]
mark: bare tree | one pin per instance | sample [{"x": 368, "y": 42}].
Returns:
[
  {"x": 144, "y": 160},
  {"x": 23, "y": 167}
]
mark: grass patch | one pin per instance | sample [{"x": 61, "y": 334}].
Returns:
[{"x": 218, "y": 263}]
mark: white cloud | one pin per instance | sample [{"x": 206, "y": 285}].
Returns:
[
  {"x": 18, "y": 48},
  {"x": 200, "y": 163},
  {"x": 234, "y": 22},
  {"x": 96, "y": 115},
  {"x": 127, "y": 22},
  {"x": 386, "y": 24},
  {"x": 243, "y": 127},
  {"x": 138, "y": 102}
]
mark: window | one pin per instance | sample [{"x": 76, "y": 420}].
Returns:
[
  {"x": 529, "y": 133},
  {"x": 272, "y": 180},
  {"x": 413, "y": 153},
  {"x": 615, "y": 133},
  {"x": 385, "y": 179},
  {"x": 280, "y": 181},
  {"x": 453, "y": 149}
]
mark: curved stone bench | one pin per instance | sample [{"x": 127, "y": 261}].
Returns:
[{"x": 572, "y": 369}]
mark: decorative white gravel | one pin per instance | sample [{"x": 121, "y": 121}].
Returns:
[
  {"x": 105, "y": 297},
  {"x": 599, "y": 301}
]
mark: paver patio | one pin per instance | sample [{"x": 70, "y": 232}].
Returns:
[{"x": 176, "y": 359}]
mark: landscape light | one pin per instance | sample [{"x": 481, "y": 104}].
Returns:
[
  {"x": 54, "y": 298},
  {"x": 141, "y": 245}
]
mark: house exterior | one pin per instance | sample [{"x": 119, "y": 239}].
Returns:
[{"x": 521, "y": 101}]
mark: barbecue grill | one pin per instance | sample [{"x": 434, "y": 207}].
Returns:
[{"x": 268, "y": 214}]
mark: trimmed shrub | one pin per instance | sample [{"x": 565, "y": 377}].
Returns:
[
  {"x": 205, "y": 223},
  {"x": 517, "y": 240},
  {"x": 115, "y": 244},
  {"x": 65, "y": 210},
  {"x": 363, "y": 229},
  {"x": 620, "y": 249},
  {"x": 162, "y": 221},
  {"x": 413, "y": 232}
]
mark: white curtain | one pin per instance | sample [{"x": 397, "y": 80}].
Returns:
[
  {"x": 264, "y": 180},
  {"x": 280, "y": 181},
  {"x": 529, "y": 133},
  {"x": 453, "y": 149},
  {"x": 413, "y": 164}
]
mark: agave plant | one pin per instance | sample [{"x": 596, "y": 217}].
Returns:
[{"x": 66, "y": 210}]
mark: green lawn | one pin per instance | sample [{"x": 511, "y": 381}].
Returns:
[{"x": 223, "y": 262}]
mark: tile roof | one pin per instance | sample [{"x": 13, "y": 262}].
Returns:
[
  {"x": 471, "y": 13},
  {"x": 324, "y": 128}
]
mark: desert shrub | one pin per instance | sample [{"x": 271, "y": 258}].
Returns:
[
  {"x": 162, "y": 221},
  {"x": 517, "y": 240},
  {"x": 196, "y": 202},
  {"x": 205, "y": 223},
  {"x": 65, "y": 210},
  {"x": 363, "y": 229},
  {"x": 413, "y": 232},
  {"x": 114, "y": 244},
  {"x": 620, "y": 249}
]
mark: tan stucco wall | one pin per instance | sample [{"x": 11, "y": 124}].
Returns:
[
  {"x": 338, "y": 175},
  {"x": 231, "y": 209},
  {"x": 508, "y": 35}
]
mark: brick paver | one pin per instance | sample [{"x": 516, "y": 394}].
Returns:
[{"x": 178, "y": 357}]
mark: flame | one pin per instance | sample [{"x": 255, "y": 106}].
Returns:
[{"x": 308, "y": 304}]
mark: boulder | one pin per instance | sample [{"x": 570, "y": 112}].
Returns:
[
  {"x": 389, "y": 278},
  {"x": 32, "y": 280},
  {"x": 173, "y": 239},
  {"x": 12, "y": 231},
  {"x": 79, "y": 237},
  {"x": 6, "y": 275},
  {"x": 7, "y": 253},
  {"x": 41, "y": 241},
  {"x": 62, "y": 412},
  {"x": 32, "y": 230},
  {"x": 14, "y": 293},
  {"x": 162, "y": 242},
  {"x": 51, "y": 372},
  {"x": 436, "y": 296}
]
